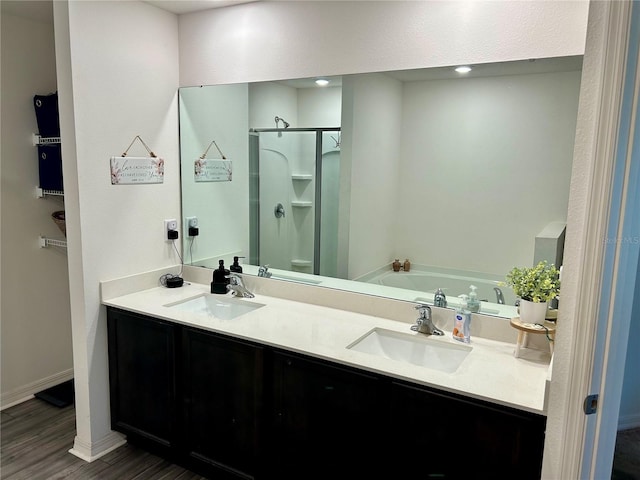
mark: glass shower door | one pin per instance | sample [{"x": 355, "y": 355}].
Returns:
[{"x": 293, "y": 223}]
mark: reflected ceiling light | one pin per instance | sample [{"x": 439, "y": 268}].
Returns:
[
  {"x": 463, "y": 69},
  {"x": 322, "y": 82}
]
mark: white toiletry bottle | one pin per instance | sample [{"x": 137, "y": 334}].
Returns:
[
  {"x": 462, "y": 322},
  {"x": 473, "y": 303}
]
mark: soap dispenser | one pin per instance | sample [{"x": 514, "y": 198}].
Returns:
[
  {"x": 235, "y": 266},
  {"x": 473, "y": 303},
  {"x": 220, "y": 280},
  {"x": 406, "y": 266},
  {"x": 462, "y": 321}
]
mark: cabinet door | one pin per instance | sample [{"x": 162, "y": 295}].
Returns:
[
  {"x": 453, "y": 437},
  {"x": 142, "y": 376},
  {"x": 222, "y": 403},
  {"x": 327, "y": 421}
]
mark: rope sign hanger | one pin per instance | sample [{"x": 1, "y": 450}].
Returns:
[
  {"x": 137, "y": 137},
  {"x": 213, "y": 142}
]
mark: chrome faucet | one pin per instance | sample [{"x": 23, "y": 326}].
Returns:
[
  {"x": 236, "y": 287},
  {"x": 263, "y": 271},
  {"x": 440, "y": 299},
  {"x": 499, "y": 295},
  {"x": 424, "y": 324}
]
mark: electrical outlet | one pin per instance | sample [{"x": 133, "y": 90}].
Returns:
[
  {"x": 170, "y": 225},
  {"x": 191, "y": 222}
]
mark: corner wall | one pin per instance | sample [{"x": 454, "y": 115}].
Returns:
[{"x": 117, "y": 78}]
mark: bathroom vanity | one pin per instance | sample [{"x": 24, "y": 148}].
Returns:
[{"x": 276, "y": 392}]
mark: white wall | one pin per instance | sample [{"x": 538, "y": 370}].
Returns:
[
  {"x": 219, "y": 114},
  {"x": 276, "y": 40},
  {"x": 117, "y": 78},
  {"x": 486, "y": 164},
  {"x": 374, "y": 131},
  {"x": 36, "y": 335}
]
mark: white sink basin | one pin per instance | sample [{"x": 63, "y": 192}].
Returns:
[
  {"x": 224, "y": 308},
  {"x": 416, "y": 349}
]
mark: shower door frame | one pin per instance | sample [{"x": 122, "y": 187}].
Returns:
[{"x": 254, "y": 214}]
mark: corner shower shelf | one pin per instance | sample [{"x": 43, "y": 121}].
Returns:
[
  {"x": 301, "y": 204},
  {"x": 52, "y": 242},
  {"x": 38, "y": 140},
  {"x": 41, "y": 192},
  {"x": 302, "y": 176},
  {"x": 296, "y": 262}
]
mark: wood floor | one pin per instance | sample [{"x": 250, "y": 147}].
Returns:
[{"x": 36, "y": 437}]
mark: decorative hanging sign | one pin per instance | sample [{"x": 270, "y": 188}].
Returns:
[
  {"x": 129, "y": 170},
  {"x": 212, "y": 169}
]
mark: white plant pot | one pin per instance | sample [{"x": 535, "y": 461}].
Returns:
[{"x": 531, "y": 312}]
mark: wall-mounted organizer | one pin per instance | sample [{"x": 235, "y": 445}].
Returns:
[
  {"x": 52, "y": 242},
  {"x": 49, "y": 159}
]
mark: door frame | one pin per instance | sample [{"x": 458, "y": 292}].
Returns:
[{"x": 576, "y": 443}]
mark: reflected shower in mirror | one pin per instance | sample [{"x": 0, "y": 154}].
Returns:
[{"x": 456, "y": 173}]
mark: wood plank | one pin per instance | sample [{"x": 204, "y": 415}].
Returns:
[{"x": 35, "y": 443}]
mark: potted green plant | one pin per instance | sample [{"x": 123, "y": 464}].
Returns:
[{"x": 535, "y": 286}]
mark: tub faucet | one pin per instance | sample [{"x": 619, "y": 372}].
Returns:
[
  {"x": 499, "y": 296},
  {"x": 263, "y": 271},
  {"x": 424, "y": 324},
  {"x": 237, "y": 288},
  {"x": 440, "y": 299}
]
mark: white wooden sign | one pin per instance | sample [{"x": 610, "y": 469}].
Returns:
[
  {"x": 130, "y": 170},
  {"x": 212, "y": 170}
]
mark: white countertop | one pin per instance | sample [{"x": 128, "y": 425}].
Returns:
[{"x": 490, "y": 371}]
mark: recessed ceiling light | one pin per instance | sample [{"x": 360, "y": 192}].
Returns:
[
  {"x": 463, "y": 69},
  {"x": 322, "y": 82}
]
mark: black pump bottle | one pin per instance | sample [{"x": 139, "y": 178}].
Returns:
[
  {"x": 220, "y": 280},
  {"x": 235, "y": 266}
]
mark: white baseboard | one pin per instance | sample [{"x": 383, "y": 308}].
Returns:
[
  {"x": 626, "y": 422},
  {"x": 90, "y": 451},
  {"x": 26, "y": 392}
]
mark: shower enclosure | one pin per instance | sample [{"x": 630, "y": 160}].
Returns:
[{"x": 293, "y": 186}]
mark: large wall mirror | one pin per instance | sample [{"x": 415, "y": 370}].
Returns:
[{"x": 460, "y": 174}]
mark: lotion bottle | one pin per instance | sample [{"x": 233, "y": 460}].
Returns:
[{"x": 462, "y": 322}]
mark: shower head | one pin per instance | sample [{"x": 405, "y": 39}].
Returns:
[{"x": 284, "y": 122}]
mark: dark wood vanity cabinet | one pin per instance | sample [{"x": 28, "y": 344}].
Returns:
[
  {"x": 229, "y": 408},
  {"x": 222, "y": 403},
  {"x": 142, "y": 378},
  {"x": 457, "y": 437},
  {"x": 325, "y": 420}
]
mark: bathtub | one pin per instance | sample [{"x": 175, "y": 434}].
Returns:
[{"x": 425, "y": 281}]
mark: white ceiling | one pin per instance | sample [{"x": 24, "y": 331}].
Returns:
[
  {"x": 187, "y": 6},
  {"x": 42, "y": 10}
]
